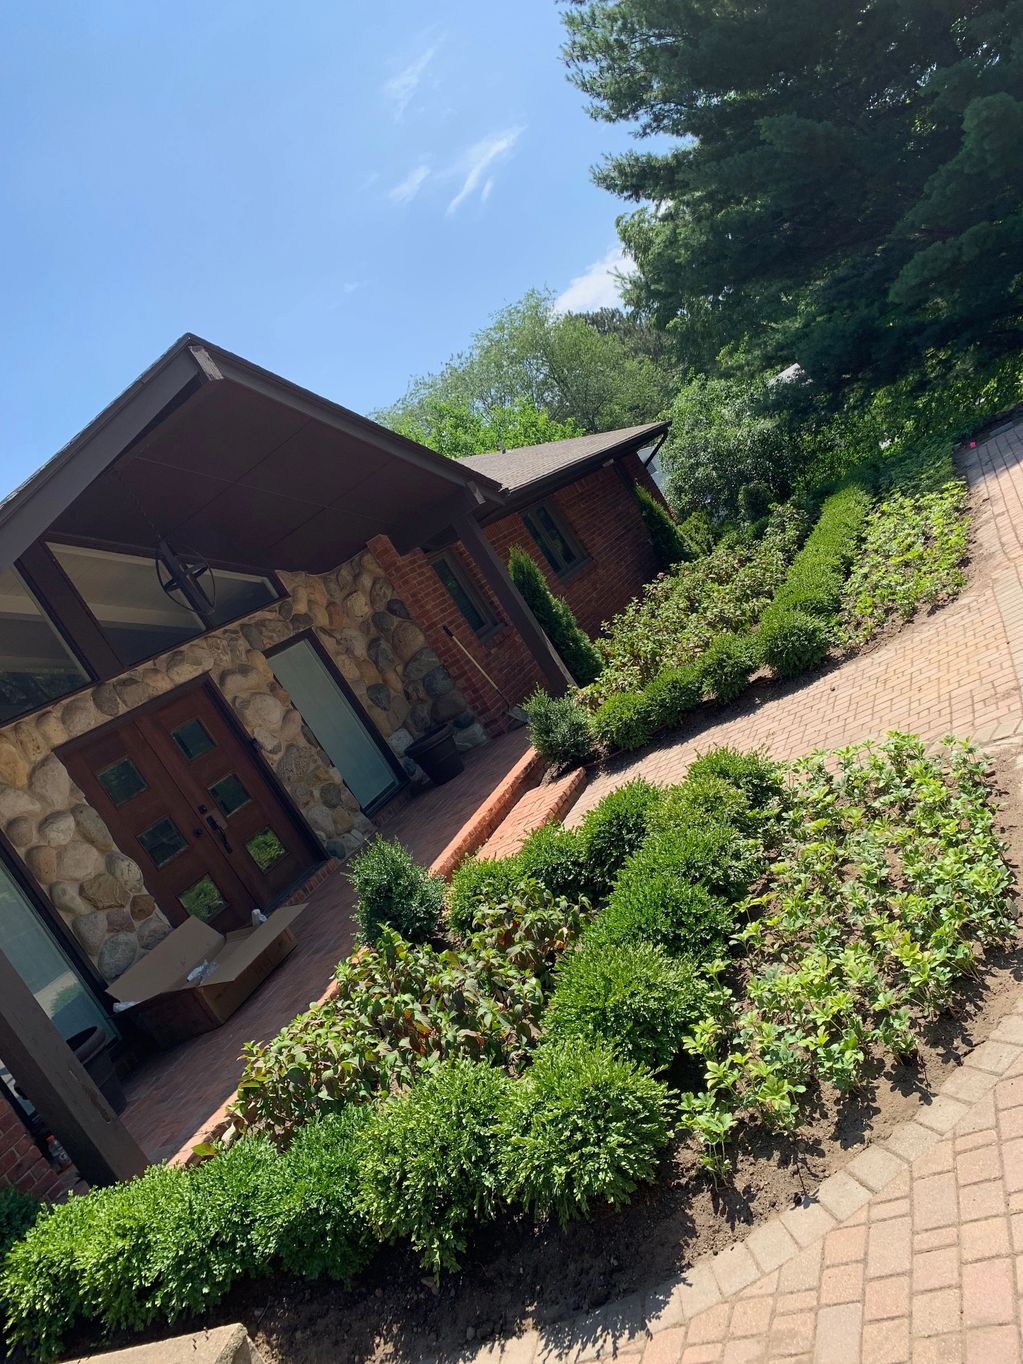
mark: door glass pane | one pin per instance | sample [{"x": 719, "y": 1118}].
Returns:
[
  {"x": 42, "y": 964},
  {"x": 122, "y": 781},
  {"x": 163, "y": 842},
  {"x": 229, "y": 794},
  {"x": 338, "y": 727},
  {"x": 124, "y": 594},
  {"x": 36, "y": 665},
  {"x": 192, "y": 739},
  {"x": 203, "y": 899},
  {"x": 265, "y": 849}
]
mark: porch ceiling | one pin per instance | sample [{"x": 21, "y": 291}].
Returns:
[{"x": 245, "y": 468}]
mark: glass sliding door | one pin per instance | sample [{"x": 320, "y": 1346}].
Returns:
[
  {"x": 339, "y": 729},
  {"x": 43, "y": 965}
]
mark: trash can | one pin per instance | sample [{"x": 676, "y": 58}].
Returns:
[{"x": 437, "y": 755}]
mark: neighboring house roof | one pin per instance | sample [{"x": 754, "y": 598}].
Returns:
[{"x": 558, "y": 461}]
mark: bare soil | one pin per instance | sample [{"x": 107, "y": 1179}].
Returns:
[{"x": 519, "y": 1275}]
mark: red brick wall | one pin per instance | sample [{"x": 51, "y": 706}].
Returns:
[
  {"x": 601, "y": 512},
  {"x": 21, "y": 1161}
]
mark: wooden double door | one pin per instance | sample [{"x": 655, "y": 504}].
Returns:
[{"x": 183, "y": 794}]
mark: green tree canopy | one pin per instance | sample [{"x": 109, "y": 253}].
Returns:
[
  {"x": 843, "y": 186},
  {"x": 532, "y": 357},
  {"x": 455, "y": 429}
]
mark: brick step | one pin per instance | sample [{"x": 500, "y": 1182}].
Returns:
[
  {"x": 543, "y": 805},
  {"x": 491, "y": 814}
]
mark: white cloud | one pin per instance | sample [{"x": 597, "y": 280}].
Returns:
[
  {"x": 406, "y": 190},
  {"x": 478, "y": 160},
  {"x": 401, "y": 89},
  {"x": 597, "y": 287}
]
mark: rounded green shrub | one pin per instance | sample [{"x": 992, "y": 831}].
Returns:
[
  {"x": 393, "y": 889},
  {"x": 671, "y": 695},
  {"x": 791, "y": 642},
  {"x": 683, "y": 918},
  {"x": 556, "y": 857},
  {"x": 613, "y": 830},
  {"x": 583, "y": 1127},
  {"x": 480, "y": 882},
  {"x": 701, "y": 799},
  {"x": 623, "y": 722},
  {"x": 559, "y": 729},
  {"x": 18, "y": 1211},
  {"x": 313, "y": 1221},
  {"x": 727, "y": 666},
  {"x": 755, "y": 774},
  {"x": 428, "y": 1160},
  {"x": 630, "y": 996}
]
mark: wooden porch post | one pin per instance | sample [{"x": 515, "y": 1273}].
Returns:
[
  {"x": 556, "y": 676},
  {"x": 60, "y": 1088}
]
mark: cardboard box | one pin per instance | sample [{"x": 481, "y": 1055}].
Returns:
[{"x": 169, "y": 1008}]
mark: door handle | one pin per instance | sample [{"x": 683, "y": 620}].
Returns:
[{"x": 220, "y": 831}]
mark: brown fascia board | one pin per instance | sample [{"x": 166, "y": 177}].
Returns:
[
  {"x": 527, "y": 493},
  {"x": 29, "y": 511}
]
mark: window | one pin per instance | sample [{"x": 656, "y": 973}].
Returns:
[
  {"x": 557, "y": 544},
  {"x": 464, "y": 595},
  {"x": 124, "y": 594},
  {"x": 36, "y": 666}
]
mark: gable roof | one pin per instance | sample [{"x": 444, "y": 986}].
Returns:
[
  {"x": 241, "y": 464},
  {"x": 529, "y": 465}
]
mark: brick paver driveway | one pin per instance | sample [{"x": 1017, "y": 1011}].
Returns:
[
  {"x": 958, "y": 671},
  {"x": 914, "y": 1251}
]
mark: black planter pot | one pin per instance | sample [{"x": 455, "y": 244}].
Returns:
[
  {"x": 437, "y": 755},
  {"x": 92, "y": 1048}
]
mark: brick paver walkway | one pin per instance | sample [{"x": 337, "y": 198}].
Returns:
[
  {"x": 957, "y": 671},
  {"x": 913, "y": 1251}
]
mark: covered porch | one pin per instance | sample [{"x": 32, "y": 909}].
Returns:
[{"x": 177, "y": 1095}]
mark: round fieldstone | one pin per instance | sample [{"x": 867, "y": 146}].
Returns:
[
  {"x": 105, "y": 699},
  {"x": 380, "y": 653},
  {"x": 105, "y": 891},
  {"x": 406, "y": 641},
  {"x": 22, "y": 831},
  {"x": 268, "y": 741},
  {"x": 42, "y": 863},
  {"x": 298, "y": 764},
  {"x": 51, "y": 727},
  {"x": 420, "y": 718},
  {"x": 448, "y": 707},
  {"x": 380, "y": 594},
  {"x": 14, "y": 802},
  {"x": 291, "y": 725},
  {"x": 397, "y": 607},
  {"x": 353, "y": 642},
  {"x": 335, "y": 616},
  {"x": 155, "y": 681},
  {"x": 399, "y": 707},
  {"x": 132, "y": 690},
  {"x": 81, "y": 715},
  {"x": 13, "y": 767},
  {"x": 464, "y": 719},
  {"x": 261, "y": 710},
  {"x": 67, "y": 900},
  {"x": 237, "y": 681},
  {"x": 90, "y": 930},
  {"x": 342, "y": 821},
  {"x": 380, "y": 695},
  {"x": 78, "y": 860},
  {"x": 303, "y": 620},
  {"x": 50, "y": 783},
  {"x": 128, "y": 872},
  {"x": 369, "y": 561},
  {"x": 116, "y": 955},
  {"x": 332, "y": 795},
  {"x": 120, "y": 921},
  {"x": 470, "y": 737},
  {"x": 319, "y": 819},
  {"x": 383, "y": 621},
  {"x": 364, "y": 582},
  {"x": 142, "y": 906},
  {"x": 252, "y": 633},
  {"x": 368, "y": 671},
  {"x": 152, "y": 931},
  {"x": 399, "y": 741},
  {"x": 421, "y": 663},
  {"x": 30, "y": 741},
  {"x": 58, "y": 828},
  {"x": 356, "y": 606},
  {"x": 91, "y": 827},
  {"x": 438, "y": 682}
]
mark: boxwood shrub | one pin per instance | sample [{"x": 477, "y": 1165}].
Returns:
[
  {"x": 631, "y": 996},
  {"x": 756, "y": 775},
  {"x": 395, "y": 891},
  {"x": 583, "y": 1127},
  {"x": 428, "y": 1160},
  {"x": 623, "y": 721},
  {"x": 672, "y": 694},
  {"x": 556, "y": 857},
  {"x": 727, "y": 666},
  {"x": 613, "y": 830},
  {"x": 791, "y": 642},
  {"x": 478, "y": 882}
]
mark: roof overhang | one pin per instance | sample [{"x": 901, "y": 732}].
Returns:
[{"x": 220, "y": 456}]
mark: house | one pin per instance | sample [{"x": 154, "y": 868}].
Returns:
[{"x": 227, "y": 608}]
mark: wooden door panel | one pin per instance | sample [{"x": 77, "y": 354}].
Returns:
[{"x": 183, "y": 795}]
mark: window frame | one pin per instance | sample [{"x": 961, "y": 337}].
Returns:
[
  {"x": 492, "y": 622},
  {"x": 562, "y": 571},
  {"x": 76, "y": 655}
]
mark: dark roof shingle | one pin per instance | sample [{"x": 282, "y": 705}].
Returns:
[{"x": 516, "y": 469}]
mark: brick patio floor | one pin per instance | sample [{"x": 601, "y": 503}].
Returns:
[
  {"x": 175, "y": 1093},
  {"x": 913, "y": 1251}
]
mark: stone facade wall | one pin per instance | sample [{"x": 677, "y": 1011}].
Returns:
[{"x": 367, "y": 630}]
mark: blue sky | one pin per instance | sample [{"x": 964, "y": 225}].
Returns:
[{"x": 340, "y": 192}]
